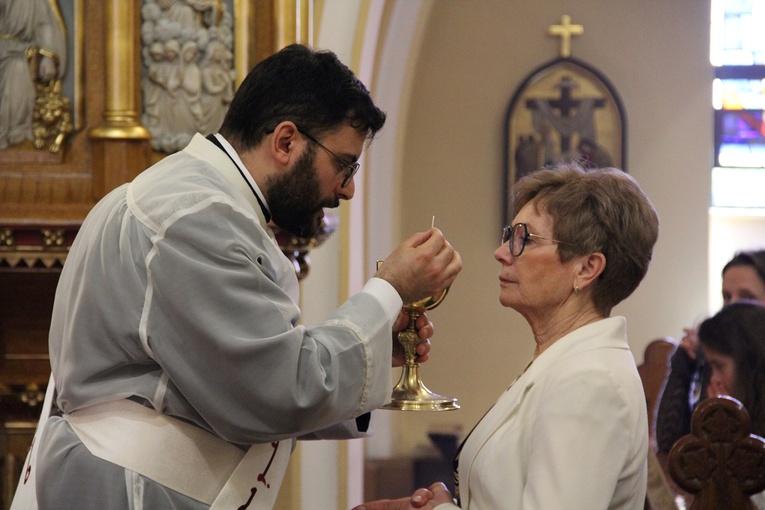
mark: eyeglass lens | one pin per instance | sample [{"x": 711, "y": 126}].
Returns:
[
  {"x": 516, "y": 235},
  {"x": 350, "y": 168}
]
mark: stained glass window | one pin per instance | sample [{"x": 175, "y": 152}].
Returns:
[{"x": 738, "y": 56}]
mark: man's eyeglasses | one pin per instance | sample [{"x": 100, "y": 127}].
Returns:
[
  {"x": 517, "y": 235},
  {"x": 350, "y": 168}
]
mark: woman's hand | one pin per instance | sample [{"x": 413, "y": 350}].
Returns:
[
  {"x": 440, "y": 495},
  {"x": 422, "y": 498},
  {"x": 690, "y": 343},
  {"x": 419, "y": 499}
]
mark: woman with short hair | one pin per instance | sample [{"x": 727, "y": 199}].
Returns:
[{"x": 572, "y": 430}]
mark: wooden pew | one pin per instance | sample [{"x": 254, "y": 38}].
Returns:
[{"x": 653, "y": 373}]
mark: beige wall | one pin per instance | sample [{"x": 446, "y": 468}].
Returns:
[{"x": 473, "y": 56}]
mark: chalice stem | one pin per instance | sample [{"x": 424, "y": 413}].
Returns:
[{"x": 409, "y": 339}]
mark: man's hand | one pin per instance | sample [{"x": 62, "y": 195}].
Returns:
[
  {"x": 422, "y": 266},
  {"x": 424, "y": 331}
]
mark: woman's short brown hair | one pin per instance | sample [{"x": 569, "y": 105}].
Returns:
[{"x": 597, "y": 210}]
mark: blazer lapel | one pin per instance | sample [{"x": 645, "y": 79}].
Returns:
[{"x": 504, "y": 409}]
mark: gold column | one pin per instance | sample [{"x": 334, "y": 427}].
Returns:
[
  {"x": 244, "y": 45},
  {"x": 264, "y": 27},
  {"x": 121, "y": 114},
  {"x": 120, "y": 148},
  {"x": 293, "y": 22}
]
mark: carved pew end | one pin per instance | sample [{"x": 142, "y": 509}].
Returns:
[{"x": 720, "y": 462}]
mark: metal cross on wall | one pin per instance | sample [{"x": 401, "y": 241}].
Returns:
[{"x": 565, "y": 31}]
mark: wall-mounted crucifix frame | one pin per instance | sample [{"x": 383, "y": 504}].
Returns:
[{"x": 565, "y": 110}]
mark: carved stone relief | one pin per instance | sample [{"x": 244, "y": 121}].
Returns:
[{"x": 188, "y": 69}]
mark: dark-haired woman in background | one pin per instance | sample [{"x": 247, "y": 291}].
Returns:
[
  {"x": 743, "y": 277},
  {"x": 733, "y": 343}
]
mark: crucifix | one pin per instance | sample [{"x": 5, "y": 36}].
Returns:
[
  {"x": 565, "y": 31},
  {"x": 565, "y": 105}
]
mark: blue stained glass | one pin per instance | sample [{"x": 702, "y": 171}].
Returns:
[{"x": 742, "y": 139}]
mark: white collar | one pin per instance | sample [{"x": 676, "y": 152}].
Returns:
[{"x": 234, "y": 156}]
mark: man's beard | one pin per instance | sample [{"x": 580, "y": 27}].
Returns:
[{"x": 294, "y": 198}]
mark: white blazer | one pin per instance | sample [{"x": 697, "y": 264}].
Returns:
[{"x": 571, "y": 433}]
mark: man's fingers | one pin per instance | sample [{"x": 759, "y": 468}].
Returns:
[{"x": 421, "y": 238}]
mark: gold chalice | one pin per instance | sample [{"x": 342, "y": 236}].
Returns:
[{"x": 410, "y": 394}]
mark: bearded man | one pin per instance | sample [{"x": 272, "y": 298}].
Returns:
[{"x": 182, "y": 371}]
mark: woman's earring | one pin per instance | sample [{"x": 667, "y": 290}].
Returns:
[{"x": 576, "y": 289}]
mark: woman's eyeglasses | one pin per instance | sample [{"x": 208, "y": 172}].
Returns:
[{"x": 518, "y": 234}]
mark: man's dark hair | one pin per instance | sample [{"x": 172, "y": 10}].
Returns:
[{"x": 311, "y": 88}]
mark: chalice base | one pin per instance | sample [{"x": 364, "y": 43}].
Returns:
[{"x": 411, "y": 395}]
